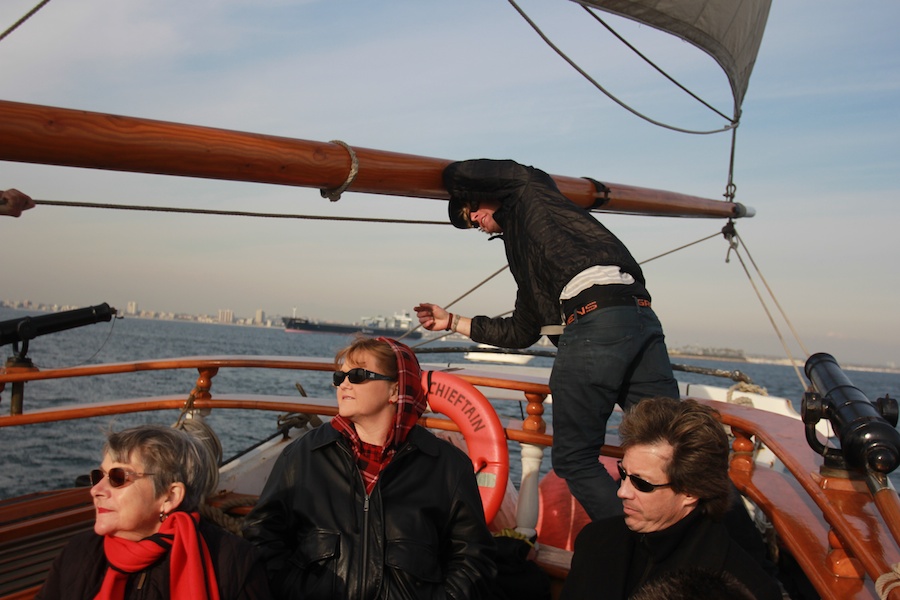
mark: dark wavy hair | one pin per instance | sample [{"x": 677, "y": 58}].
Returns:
[
  {"x": 699, "y": 464},
  {"x": 694, "y": 584}
]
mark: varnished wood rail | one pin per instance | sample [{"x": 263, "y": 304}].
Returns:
[{"x": 840, "y": 534}]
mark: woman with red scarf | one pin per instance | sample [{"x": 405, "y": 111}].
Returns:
[
  {"x": 149, "y": 541},
  {"x": 374, "y": 506}
]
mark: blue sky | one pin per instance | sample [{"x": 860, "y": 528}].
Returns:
[{"x": 817, "y": 156}]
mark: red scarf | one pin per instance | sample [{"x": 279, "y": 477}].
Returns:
[{"x": 191, "y": 573}]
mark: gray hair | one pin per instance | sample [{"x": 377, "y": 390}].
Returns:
[{"x": 169, "y": 456}]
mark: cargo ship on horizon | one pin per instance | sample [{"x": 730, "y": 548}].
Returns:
[{"x": 398, "y": 325}]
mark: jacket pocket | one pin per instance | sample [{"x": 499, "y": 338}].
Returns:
[
  {"x": 414, "y": 562},
  {"x": 314, "y": 566}
]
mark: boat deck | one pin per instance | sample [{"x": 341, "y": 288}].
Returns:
[{"x": 842, "y": 536}]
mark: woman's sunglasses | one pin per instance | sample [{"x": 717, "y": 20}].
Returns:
[
  {"x": 357, "y": 375},
  {"x": 641, "y": 485},
  {"x": 117, "y": 476}
]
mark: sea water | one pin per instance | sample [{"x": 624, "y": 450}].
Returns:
[{"x": 50, "y": 456}]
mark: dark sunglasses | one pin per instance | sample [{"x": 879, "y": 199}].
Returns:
[
  {"x": 467, "y": 210},
  {"x": 641, "y": 485},
  {"x": 117, "y": 476},
  {"x": 357, "y": 375}
]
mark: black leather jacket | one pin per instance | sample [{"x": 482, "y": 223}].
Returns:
[
  {"x": 420, "y": 534},
  {"x": 548, "y": 238}
]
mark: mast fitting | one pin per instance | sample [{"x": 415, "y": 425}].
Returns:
[{"x": 602, "y": 195}]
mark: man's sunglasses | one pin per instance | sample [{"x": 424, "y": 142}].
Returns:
[
  {"x": 641, "y": 485},
  {"x": 117, "y": 476},
  {"x": 357, "y": 375},
  {"x": 467, "y": 211}
]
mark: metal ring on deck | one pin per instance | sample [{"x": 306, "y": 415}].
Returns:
[{"x": 335, "y": 194}]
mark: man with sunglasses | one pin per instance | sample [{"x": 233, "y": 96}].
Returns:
[
  {"x": 577, "y": 279},
  {"x": 675, "y": 493}
]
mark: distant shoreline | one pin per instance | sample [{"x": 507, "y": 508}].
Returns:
[{"x": 274, "y": 323}]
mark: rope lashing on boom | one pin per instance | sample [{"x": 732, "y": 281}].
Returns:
[
  {"x": 335, "y": 194},
  {"x": 886, "y": 582}
]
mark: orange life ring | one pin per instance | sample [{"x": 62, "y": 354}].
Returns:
[{"x": 481, "y": 427}]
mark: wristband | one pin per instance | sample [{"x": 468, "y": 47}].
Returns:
[
  {"x": 454, "y": 323},
  {"x": 449, "y": 322}
]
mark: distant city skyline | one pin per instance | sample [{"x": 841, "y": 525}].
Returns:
[
  {"x": 227, "y": 317},
  {"x": 132, "y": 308}
]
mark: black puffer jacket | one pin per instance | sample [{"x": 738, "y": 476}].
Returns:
[
  {"x": 420, "y": 534},
  {"x": 548, "y": 238}
]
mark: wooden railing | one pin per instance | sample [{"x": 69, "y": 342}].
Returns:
[{"x": 842, "y": 534}]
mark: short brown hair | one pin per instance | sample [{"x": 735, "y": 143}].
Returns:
[
  {"x": 699, "y": 464},
  {"x": 385, "y": 359}
]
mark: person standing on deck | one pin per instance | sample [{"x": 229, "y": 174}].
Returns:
[{"x": 577, "y": 279}]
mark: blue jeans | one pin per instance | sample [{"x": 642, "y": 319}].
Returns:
[{"x": 610, "y": 356}]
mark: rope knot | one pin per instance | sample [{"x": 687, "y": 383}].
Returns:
[
  {"x": 888, "y": 581},
  {"x": 335, "y": 194}
]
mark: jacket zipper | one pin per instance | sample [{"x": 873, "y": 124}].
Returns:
[
  {"x": 365, "y": 544},
  {"x": 366, "y": 496}
]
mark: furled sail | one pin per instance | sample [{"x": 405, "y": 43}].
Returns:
[{"x": 728, "y": 30}]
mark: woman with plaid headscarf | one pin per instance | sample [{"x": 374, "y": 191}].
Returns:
[{"x": 374, "y": 505}]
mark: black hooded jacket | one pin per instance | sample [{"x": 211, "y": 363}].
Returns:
[{"x": 548, "y": 239}]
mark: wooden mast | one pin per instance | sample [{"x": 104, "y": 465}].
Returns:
[{"x": 58, "y": 136}]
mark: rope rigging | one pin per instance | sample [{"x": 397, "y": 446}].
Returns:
[
  {"x": 735, "y": 242},
  {"x": 27, "y": 16},
  {"x": 235, "y": 213},
  {"x": 657, "y": 67},
  {"x": 733, "y": 123}
]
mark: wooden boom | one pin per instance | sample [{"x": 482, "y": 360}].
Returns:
[{"x": 58, "y": 136}]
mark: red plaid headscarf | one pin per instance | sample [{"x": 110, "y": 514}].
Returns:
[{"x": 370, "y": 459}]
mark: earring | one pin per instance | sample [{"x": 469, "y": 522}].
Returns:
[{"x": 162, "y": 517}]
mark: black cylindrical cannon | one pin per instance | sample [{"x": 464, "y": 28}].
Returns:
[
  {"x": 868, "y": 441},
  {"x": 27, "y": 328}
]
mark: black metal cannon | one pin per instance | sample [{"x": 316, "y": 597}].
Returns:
[
  {"x": 867, "y": 430},
  {"x": 28, "y": 328}
]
